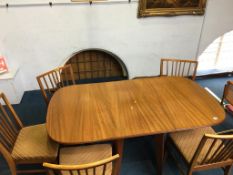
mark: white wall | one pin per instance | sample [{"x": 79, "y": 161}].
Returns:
[
  {"x": 218, "y": 20},
  {"x": 39, "y": 38}
]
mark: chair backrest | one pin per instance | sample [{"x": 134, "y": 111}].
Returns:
[
  {"x": 52, "y": 80},
  {"x": 228, "y": 93},
  {"x": 10, "y": 161},
  {"x": 94, "y": 168},
  {"x": 10, "y": 124},
  {"x": 178, "y": 67},
  {"x": 214, "y": 150}
]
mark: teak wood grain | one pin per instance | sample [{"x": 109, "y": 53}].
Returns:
[{"x": 117, "y": 110}]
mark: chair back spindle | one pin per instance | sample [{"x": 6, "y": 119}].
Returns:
[
  {"x": 179, "y": 68},
  {"x": 10, "y": 124},
  {"x": 51, "y": 81},
  {"x": 214, "y": 150}
]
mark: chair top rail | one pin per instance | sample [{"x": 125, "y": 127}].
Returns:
[
  {"x": 54, "y": 70},
  {"x": 7, "y": 103},
  {"x": 178, "y": 60},
  {"x": 217, "y": 136},
  {"x": 79, "y": 167}
]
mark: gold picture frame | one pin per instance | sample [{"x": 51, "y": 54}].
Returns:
[{"x": 171, "y": 7}]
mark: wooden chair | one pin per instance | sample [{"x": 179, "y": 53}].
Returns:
[
  {"x": 202, "y": 149},
  {"x": 23, "y": 145},
  {"x": 51, "y": 81},
  {"x": 84, "y": 160},
  {"x": 177, "y": 67},
  {"x": 228, "y": 97}
]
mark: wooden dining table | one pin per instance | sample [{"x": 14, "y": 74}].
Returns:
[{"x": 114, "y": 111}]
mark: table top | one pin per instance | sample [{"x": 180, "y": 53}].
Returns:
[{"x": 130, "y": 108}]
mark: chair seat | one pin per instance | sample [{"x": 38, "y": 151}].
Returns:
[
  {"x": 188, "y": 141},
  {"x": 86, "y": 154},
  {"x": 34, "y": 146}
]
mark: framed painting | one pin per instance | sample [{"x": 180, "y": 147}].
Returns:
[{"x": 171, "y": 7}]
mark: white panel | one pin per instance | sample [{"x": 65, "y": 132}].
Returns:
[
  {"x": 219, "y": 20},
  {"x": 12, "y": 86},
  {"x": 40, "y": 38}
]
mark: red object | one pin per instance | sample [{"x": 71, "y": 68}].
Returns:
[
  {"x": 229, "y": 108},
  {"x": 3, "y": 66}
]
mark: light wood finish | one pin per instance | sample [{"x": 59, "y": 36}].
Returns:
[
  {"x": 129, "y": 108},
  {"x": 97, "y": 64},
  {"x": 51, "y": 81},
  {"x": 100, "y": 167},
  {"x": 228, "y": 93},
  {"x": 9, "y": 159},
  {"x": 178, "y": 67},
  {"x": 23, "y": 145},
  {"x": 118, "y": 110},
  {"x": 203, "y": 149}
]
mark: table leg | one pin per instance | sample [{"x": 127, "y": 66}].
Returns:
[
  {"x": 118, "y": 144},
  {"x": 160, "y": 144}
]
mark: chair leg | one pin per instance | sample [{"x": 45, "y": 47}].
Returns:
[
  {"x": 189, "y": 172},
  {"x": 227, "y": 170},
  {"x": 160, "y": 141}
]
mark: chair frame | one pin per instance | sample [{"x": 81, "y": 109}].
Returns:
[
  {"x": 143, "y": 77},
  {"x": 11, "y": 133},
  {"x": 219, "y": 153},
  {"x": 52, "y": 168},
  {"x": 55, "y": 80},
  {"x": 6, "y": 147},
  {"x": 177, "y": 68},
  {"x": 227, "y": 88}
]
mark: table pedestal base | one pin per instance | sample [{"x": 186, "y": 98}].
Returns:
[
  {"x": 160, "y": 150},
  {"x": 118, "y": 149}
]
